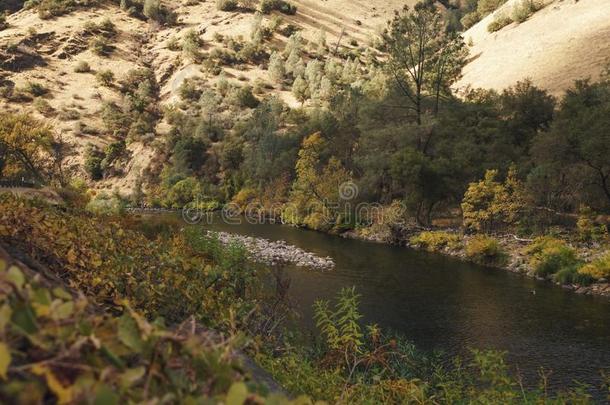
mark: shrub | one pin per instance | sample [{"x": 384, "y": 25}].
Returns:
[
  {"x": 597, "y": 269},
  {"x": 35, "y": 89},
  {"x": 470, "y": 19},
  {"x": 282, "y": 6},
  {"x": 244, "y": 97},
  {"x": 105, "y": 204},
  {"x": 499, "y": 22},
  {"x": 588, "y": 229},
  {"x": 226, "y": 5},
  {"x": 191, "y": 44},
  {"x": 82, "y": 67},
  {"x": 105, "y": 77},
  {"x": 3, "y": 23},
  {"x": 100, "y": 46},
  {"x": 549, "y": 255},
  {"x": 436, "y": 241},
  {"x": 173, "y": 44},
  {"x": 43, "y": 107},
  {"x": 485, "y": 250},
  {"x": 485, "y": 7},
  {"x": 93, "y": 163},
  {"x": 244, "y": 197},
  {"x": 524, "y": 9},
  {"x": 571, "y": 275}
]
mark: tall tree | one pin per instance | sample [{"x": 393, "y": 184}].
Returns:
[{"x": 424, "y": 59}]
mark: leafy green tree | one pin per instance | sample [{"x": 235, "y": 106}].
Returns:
[{"x": 574, "y": 152}]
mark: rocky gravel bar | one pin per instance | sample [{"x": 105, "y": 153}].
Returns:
[{"x": 275, "y": 252}]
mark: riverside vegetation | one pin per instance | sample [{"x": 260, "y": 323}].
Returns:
[
  {"x": 101, "y": 313},
  {"x": 515, "y": 178}
]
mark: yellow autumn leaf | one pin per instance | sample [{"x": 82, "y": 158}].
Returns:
[
  {"x": 5, "y": 359},
  {"x": 63, "y": 394}
]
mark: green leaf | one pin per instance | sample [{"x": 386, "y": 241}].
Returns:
[
  {"x": 129, "y": 334},
  {"x": 23, "y": 317},
  {"x": 5, "y": 359},
  {"x": 64, "y": 310},
  {"x": 131, "y": 376},
  {"x": 5, "y": 316},
  {"x": 61, "y": 293},
  {"x": 237, "y": 395},
  {"x": 105, "y": 396},
  {"x": 16, "y": 277}
]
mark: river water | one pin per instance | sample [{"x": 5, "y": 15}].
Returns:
[{"x": 443, "y": 304}]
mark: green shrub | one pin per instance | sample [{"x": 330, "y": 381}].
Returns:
[
  {"x": 82, "y": 67},
  {"x": 524, "y": 9},
  {"x": 485, "y": 7},
  {"x": 499, "y": 22},
  {"x": 589, "y": 230},
  {"x": 244, "y": 98},
  {"x": 226, "y": 5},
  {"x": 105, "y": 204},
  {"x": 267, "y": 6},
  {"x": 571, "y": 275},
  {"x": 105, "y": 77},
  {"x": 598, "y": 268},
  {"x": 470, "y": 19},
  {"x": 93, "y": 163},
  {"x": 35, "y": 89},
  {"x": 3, "y": 23},
  {"x": 43, "y": 107},
  {"x": 100, "y": 46},
  {"x": 485, "y": 250},
  {"x": 436, "y": 241},
  {"x": 548, "y": 255}
]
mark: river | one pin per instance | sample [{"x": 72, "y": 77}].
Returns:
[{"x": 441, "y": 303}]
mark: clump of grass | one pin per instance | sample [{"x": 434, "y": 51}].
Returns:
[
  {"x": 501, "y": 21},
  {"x": 524, "y": 9},
  {"x": 226, "y": 5},
  {"x": 35, "y": 89},
  {"x": 82, "y": 67}
]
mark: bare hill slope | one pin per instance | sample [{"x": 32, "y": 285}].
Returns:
[{"x": 565, "y": 41}]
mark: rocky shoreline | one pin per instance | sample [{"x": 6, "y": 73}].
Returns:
[{"x": 275, "y": 252}]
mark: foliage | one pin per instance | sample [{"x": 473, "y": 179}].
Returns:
[
  {"x": 489, "y": 203},
  {"x": 100, "y": 46},
  {"x": 105, "y": 77},
  {"x": 267, "y": 6},
  {"x": 438, "y": 59},
  {"x": 598, "y": 268},
  {"x": 36, "y": 89},
  {"x": 226, "y": 5},
  {"x": 25, "y": 147},
  {"x": 548, "y": 255},
  {"x": 54, "y": 8},
  {"x": 436, "y": 241},
  {"x": 589, "y": 230},
  {"x": 500, "y": 21},
  {"x": 524, "y": 9},
  {"x": 109, "y": 263},
  {"x": 485, "y": 250},
  {"x": 82, "y": 67}
]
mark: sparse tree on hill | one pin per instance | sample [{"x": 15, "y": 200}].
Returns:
[{"x": 424, "y": 60}]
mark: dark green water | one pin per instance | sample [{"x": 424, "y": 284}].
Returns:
[{"x": 441, "y": 303}]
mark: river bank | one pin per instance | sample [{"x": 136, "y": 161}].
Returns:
[{"x": 513, "y": 249}]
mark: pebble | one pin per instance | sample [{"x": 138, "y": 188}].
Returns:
[{"x": 275, "y": 252}]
